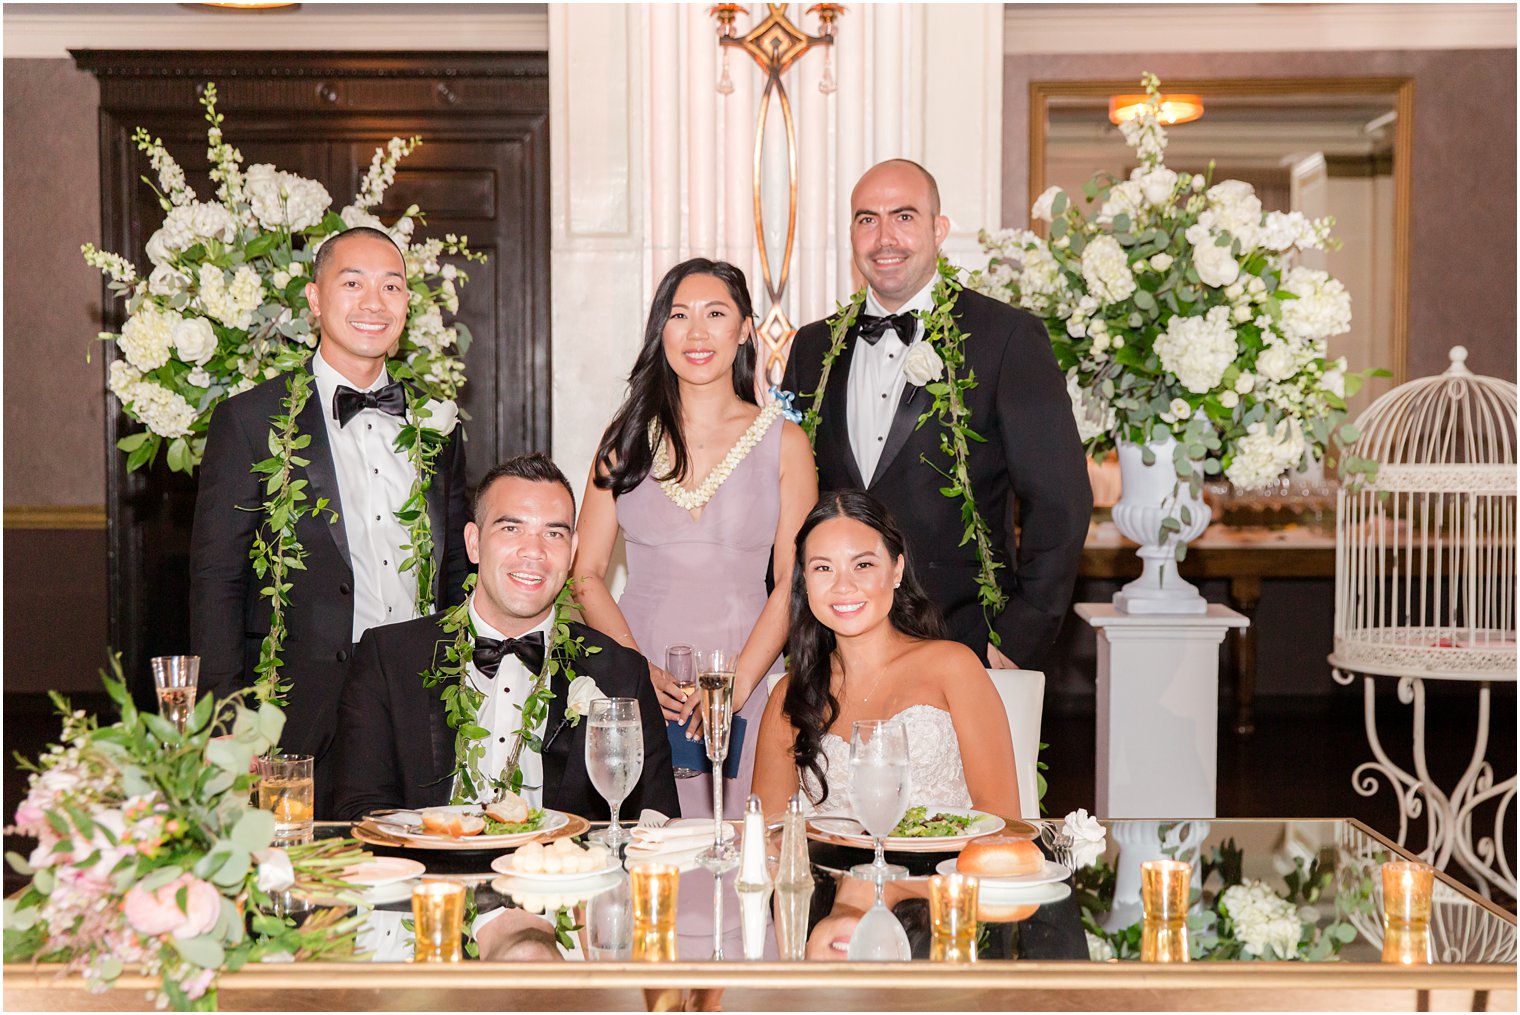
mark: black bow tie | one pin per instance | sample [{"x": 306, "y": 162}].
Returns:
[
  {"x": 529, "y": 649},
  {"x": 872, "y": 327},
  {"x": 348, "y": 403}
]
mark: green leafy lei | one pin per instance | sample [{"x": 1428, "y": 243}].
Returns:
[
  {"x": 462, "y": 701},
  {"x": 946, "y": 338},
  {"x": 422, "y": 445}
]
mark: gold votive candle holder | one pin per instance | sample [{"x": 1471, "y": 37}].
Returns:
[
  {"x": 655, "y": 886},
  {"x": 438, "y": 919},
  {"x": 654, "y": 945},
  {"x": 1407, "y": 888},
  {"x": 952, "y": 911},
  {"x": 1164, "y": 889},
  {"x": 1406, "y": 945},
  {"x": 1164, "y": 941}
]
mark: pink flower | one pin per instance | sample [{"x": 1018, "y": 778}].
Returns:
[
  {"x": 197, "y": 985},
  {"x": 158, "y": 912}
]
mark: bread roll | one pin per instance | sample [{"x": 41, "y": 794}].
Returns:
[
  {"x": 511, "y": 809},
  {"x": 452, "y": 823},
  {"x": 1000, "y": 856}
]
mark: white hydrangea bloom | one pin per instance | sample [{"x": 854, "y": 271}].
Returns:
[
  {"x": 1094, "y": 416},
  {"x": 1198, "y": 350},
  {"x": 1105, "y": 269},
  {"x": 209, "y": 220},
  {"x": 281, "y": 199},
  {"x": 1123, "y": 199},
  {"x": 147, "y": 338},
  {"x": 1263, "y": 454},
  {"x": 233, "y": 304},
  {"x": 1233, "y": 207},
  {"x": 1262, "y": 919},
  {"x": 121, "y": 378},
  {"x": 1323, "y": 307},
  {"x": 1276, "y": 362},
  {"x": 1285, "y": 230},
  {"x": 161, "y": 410}
]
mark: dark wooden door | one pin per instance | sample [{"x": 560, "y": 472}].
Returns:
[{"x": 482, "y": 172}]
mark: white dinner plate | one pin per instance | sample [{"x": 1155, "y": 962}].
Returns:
[
  {"x": 407, "y": 825},
  {"x": 538, "y": 897},
  {"x": 849, "y": 832},
  {"x": 1050, "y": 873},
  {"x": 383, "y": 870},
  {"x": 504, "y": 865}
]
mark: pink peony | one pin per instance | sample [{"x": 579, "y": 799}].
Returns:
[
  {"x": 159, "y": 913},
  {"x": 197, "y": 984}
]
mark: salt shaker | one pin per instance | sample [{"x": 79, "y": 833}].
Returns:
[{"x": 754, "y": 883}]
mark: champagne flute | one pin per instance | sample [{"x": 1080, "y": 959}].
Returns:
[
  {"x": 715, "y": 680},
  {"x": 174, "y": 678},
  {"x": 614, "y": 758},
  {"x": 681, "y": 664},
  {"x": 879, "y": 788}
]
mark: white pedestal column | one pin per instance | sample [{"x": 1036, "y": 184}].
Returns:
[{"x": 1158, "y": 711}]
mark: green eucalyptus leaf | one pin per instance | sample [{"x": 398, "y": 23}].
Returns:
[
  {"x": 203, "y": 951},
  {"x": 254, "y": 829}
]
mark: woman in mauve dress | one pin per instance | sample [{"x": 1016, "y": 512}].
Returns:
[{"x": 708, "y": 489}]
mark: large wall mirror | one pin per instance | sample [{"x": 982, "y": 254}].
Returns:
[{"x": 1322, "y": 146}]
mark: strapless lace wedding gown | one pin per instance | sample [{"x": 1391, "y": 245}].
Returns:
[{"x": 934, "y": 763}]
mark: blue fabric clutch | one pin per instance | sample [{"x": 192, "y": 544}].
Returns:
[{"x": 692, "y": 754}]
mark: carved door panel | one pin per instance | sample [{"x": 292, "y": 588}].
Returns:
[{"x": 482, "y": 171}]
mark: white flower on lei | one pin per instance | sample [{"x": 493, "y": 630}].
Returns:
[
  {"x": 441, "y": 416},
  {"x": 1198, "y": 350},
  {"x": 1323, "y": 307},
  {"x": 1087, "y": 837},
  {"x": 1095, "y": 417},
  {"x": 583, "y": 691},
  {"x": 922, "y": 364},
  {"x": 1263, "y": 454},
  {"x": 1043, "y": 207},
  {"x": 1263, "y": 920},
  {"x": 1105, "y": 269}
]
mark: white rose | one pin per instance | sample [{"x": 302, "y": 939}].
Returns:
[
  {"x": 1087, "y": 837},
  {"x": 1043, "y": 207},
  {"x": 1229, "y": 399},
  {"x": 276, "y": 873},
  {"x": 442, "y": 416},
  {"x": 922, "y": 364},
  {"x": 1161, "y": 261},
  {"x": 1180, "y": 408},
  {"x": 165, "y": 281},
  {"x": 195, "y": 340},
  {"x": 583, "y": 691},
  {"x": 1245, "y": 383},
  {"x": 1215, "y": 265},
  {"x": 1157, "y": 185},
  {"x": 1276, "y": 362}
]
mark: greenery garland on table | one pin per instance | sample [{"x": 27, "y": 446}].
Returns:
[
  {"x": 462, "y": 701},
  {"x": 944, "y": 338}
]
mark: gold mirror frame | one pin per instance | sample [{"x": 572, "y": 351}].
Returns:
[{"x": 1400, "y": 90}]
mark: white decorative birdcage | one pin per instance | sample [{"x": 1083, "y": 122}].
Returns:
[{"x": 1425, "y": 587}]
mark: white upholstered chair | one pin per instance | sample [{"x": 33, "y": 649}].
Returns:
[{"x": 1023, "y": 694}]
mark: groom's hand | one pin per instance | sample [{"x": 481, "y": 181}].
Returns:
[{"x": 997, "y": 661}]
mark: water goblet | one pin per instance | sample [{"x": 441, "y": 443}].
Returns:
[
  {"x": 681, "y": 664},
  {"x": 715, "y": 681},
  {"x": 614, "y": 758},
  {"x": 879, "y": 936},
  {"x": 879, "y": 788},
  {"x": 609, "y": 923}
]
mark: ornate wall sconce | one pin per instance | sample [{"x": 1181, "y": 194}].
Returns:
[{"x": 775, "y": 44}]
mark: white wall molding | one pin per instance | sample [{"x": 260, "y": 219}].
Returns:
[
  {"x": 50, "y": 30},
  {"x": 1046, "y": 29}
]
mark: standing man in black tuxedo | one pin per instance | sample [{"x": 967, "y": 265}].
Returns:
[
  {"x": 352, "y": 580},
  {"x": 395, "y": 747},
  {"x": 867, "y": 436}
]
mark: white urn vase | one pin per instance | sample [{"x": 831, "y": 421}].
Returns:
[{"x": 1149, "y": 494}]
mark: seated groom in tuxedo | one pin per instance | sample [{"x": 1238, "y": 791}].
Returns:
[
  {"x": 352, "y": 579},
  {"x": 396, "y": 746}
]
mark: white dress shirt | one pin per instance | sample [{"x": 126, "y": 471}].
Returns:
[
  {"x": 876, "y": 381},
  {"x": 374, "y": 481},
  {"x": 501, "y": 712}
]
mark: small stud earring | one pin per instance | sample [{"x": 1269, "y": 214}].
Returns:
[{"x": 898, "y": 585}]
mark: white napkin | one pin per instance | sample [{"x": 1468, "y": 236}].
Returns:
[{"x": 681, "y": 833}]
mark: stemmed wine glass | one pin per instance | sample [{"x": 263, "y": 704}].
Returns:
[
  {"x": 879, "y": 936},
  {"x": 609, "y": 922},
  {"x": 879, "y": 787},
  {"x": 614, "y": 758},
  {"x": 681, "y": 664},
  {"x": 715, "y": 682}
]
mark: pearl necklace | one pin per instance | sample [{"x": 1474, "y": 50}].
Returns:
[{"x": 691, "y": 500}]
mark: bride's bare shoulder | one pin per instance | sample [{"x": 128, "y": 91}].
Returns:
[{"x": 944, "y": 659}]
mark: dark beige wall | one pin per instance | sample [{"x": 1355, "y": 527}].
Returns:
[
  {"x": 54, "y": 399},
  {"x": 1462, "y": 250}
]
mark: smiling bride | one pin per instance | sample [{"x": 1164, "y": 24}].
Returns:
[{"x": 865, "y": 643}]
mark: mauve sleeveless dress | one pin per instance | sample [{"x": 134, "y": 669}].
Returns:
[{"x": 701, "y": 582}]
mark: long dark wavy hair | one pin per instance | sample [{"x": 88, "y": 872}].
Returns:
[
  {"x": 810, "y": 704},
  {"x": 624, "y": 457}
]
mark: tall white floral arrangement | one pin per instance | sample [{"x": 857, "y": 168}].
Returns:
[
  {"x": 224, "y": 304},
  {"x": 1176, "y": 308}
]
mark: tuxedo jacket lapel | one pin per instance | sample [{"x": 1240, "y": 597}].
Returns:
[
  {"x": 835, "y": 436},
  {"x": 321, "y": 473},
  {"x": 912, "y": 405},
  {"x": 560, "y": 742}
]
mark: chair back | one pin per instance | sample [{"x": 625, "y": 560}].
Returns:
[{"x": 1023, "y": 694}]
